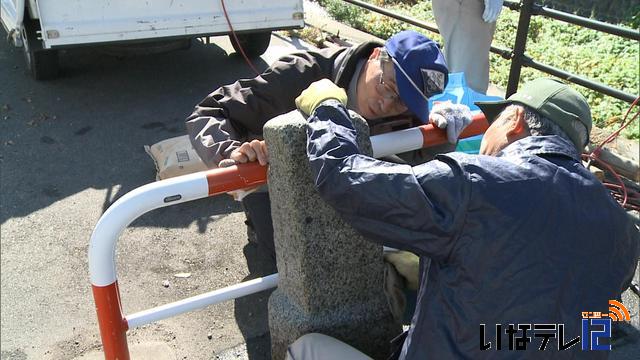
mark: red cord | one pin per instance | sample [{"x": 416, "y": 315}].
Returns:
[
  {"x": 624, "y": 125},
  {"x": 233, "y": 33},
  {"x": 595, "y": 156},
  {"x": 591, "y": 156}
]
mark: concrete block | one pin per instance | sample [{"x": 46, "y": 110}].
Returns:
[{"x": 331, "y": 278}]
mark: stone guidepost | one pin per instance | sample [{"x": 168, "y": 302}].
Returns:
[{"x": 331, "y": 278}]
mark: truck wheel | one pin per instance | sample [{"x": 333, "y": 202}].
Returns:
[
  {"x": 41, "y": 63},
  {"x": 253, "y": 44}
]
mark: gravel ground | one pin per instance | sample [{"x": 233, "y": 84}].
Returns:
[{"x": 70, "y": 148}]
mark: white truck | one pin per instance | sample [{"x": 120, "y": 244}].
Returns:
[{"x": 42, "y": 27}]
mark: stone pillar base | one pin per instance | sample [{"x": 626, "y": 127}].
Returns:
[
  {"x": 368, "y": 327},
  {"x": 331, "y": 278}
]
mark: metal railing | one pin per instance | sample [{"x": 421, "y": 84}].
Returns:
[{"x": 528, "y": 9}]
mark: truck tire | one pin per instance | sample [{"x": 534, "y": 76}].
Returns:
[
  {"x": 41, "y": 63},
  {"x": 253, "y": 44}
]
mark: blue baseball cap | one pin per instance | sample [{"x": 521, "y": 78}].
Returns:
[{"x": 421, "y": 70}]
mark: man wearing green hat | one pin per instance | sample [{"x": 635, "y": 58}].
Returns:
[
  {"x": 560, "y": 105},
  {"x": 519, "y": 236}
]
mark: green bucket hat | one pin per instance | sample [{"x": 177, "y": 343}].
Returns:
[{"x": 552, "y": 99}]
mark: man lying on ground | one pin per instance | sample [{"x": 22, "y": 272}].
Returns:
[{"x": 382, "y": 80}]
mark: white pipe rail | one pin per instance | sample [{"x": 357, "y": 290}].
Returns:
[
  {"x": 102, "y": 249},
  {"x": 201, "y": 301},
  {"x": 119, "y": 215}
]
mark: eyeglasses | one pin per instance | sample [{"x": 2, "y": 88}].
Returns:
[{"x": 387, "y": 90}]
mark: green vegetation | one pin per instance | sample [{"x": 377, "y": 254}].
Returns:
[
  {"x": 612, "y": 11},
  {"x": 605, "y": 58}
]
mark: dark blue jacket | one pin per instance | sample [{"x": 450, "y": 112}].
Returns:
[{"x": 526, "y": 237}]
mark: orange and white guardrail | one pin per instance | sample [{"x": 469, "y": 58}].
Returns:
[
  {"x": 102, "y": 250},
  {"x": 420, "y": 137}
]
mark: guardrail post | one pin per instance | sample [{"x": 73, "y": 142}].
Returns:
[
  {"x": 331, "y": 278},
  {"x": 113, "y": 326},
  {"x": 519, "y": 47},
  {"x": 102, "y": 248}
]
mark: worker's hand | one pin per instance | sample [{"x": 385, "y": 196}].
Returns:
[
  {"x": 318, "y": 92},
  {"x": 407, "y": 264},
  {"x": 238, "y": 195},
  {"x": 492, "y": 9},
  {"x": 226, "y": 163},
  {"x": 453, "y": 117},
  {"x": 250, "y": 152}
]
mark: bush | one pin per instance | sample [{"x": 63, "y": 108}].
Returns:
[{"x": 605, "y": 58}]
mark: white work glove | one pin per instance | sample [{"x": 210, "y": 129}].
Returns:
[
  {"x": 238, "y": 195},
  {"x": 453, "y": 117},
  {"x": 492, "y": 9}
]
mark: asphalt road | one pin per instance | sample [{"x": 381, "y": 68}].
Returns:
[{"x": 70, "y": 148}]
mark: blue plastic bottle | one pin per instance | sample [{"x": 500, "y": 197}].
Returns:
[{"x": 458, "y": 92}]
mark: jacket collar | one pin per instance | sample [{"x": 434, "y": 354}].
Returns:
[
  {"x": 541, "y": 145},
  {"x": 349, "y": 62}
]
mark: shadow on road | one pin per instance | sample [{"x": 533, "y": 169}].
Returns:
[
  {"x": 86, "y": 129},
  {"x": 251, "y": 311}
]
